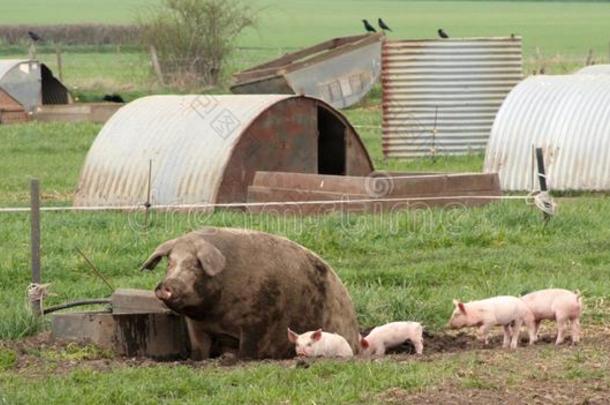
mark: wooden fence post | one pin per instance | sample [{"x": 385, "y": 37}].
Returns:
[
  {"x": 60, "y": 70},
  {"x": 154, "y": 58}
]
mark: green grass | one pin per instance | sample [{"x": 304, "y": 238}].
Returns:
[{"x": 564, "y": 27}]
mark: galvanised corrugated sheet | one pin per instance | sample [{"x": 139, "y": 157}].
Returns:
[
  {"x": 569, "y": 117},
  {"x": 594, "y": 70},
  {"x": 21, "y": 79},
  {"x": 188, "y": 138},
  {"x": 441, "y": 96}
]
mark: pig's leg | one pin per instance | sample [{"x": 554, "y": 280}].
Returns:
[
  {"x": 532, "y": 330},
  {"x": 561, "y": 327},
  {"x": 575, "y": 330},
  {"x": 507, "y": 335},
  {"x": 419, "y": 345},
  {"x": 200, "y": 340},
  {"x": 248, "y": 345},
  {"x": 484, "y": 333},
  {"x": 536, "y": 329},
  {"x": 516, "y": 332}
]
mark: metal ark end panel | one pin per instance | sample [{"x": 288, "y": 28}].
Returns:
[
  {"x": 569, "y": 117},
  {"x": 189, "y": 140},
  {"x": 21, "y": 79},
  {"x": 441, "y": 96}
]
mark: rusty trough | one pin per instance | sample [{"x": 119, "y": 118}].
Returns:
[
  {"x": 381, "y": 192},
  {"x": 138, "y": 326}
]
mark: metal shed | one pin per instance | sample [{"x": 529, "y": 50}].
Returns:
[
  {"x": 31, "y": 83},
  {"x": 569, "y": 117},
  {"x": 594, "y": 70},
  {"x": 206, "y": 149},
  {"x": 340, "y": 71},
  {"x": 441, "y": 96}
]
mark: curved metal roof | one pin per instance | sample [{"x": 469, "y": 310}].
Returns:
[
  {"x": 569, "y": 117},
  {"x": 594, "y": 70},
  {"x": 186, "y": 137}
]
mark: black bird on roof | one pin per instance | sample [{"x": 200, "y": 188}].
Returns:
[
  {"x": 442, "y": 34},
  {"x": 368, "y": 26},
  {"x": 113, "y": 98},
  {"x": 383, "y": 25},
  {"x": 34, "y": 36}
]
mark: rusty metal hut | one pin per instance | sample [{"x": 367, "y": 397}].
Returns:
[
  {"x": 31, "y": 84},
  {"x": 207, "y": 149}
]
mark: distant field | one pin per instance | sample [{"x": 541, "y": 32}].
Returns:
[{"x": 555, "y": 27}]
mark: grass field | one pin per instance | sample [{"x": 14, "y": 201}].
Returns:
[
  {"x": 558, "y": 33},
  {"x": 407, "y": 266}
]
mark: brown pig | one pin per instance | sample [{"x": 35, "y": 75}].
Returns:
[{"x": 251, "y": 286}]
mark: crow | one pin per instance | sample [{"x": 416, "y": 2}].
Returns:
[
  {"x": 113, "y": 98},
  {"x": 368, "y": 26},
  {"x": 442, "y": 34},
  {"x": 383, "y": 25},
  {"x": 34, "y": 36}
]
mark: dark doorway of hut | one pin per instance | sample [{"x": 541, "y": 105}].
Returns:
[{"x": 331, "y": 143}]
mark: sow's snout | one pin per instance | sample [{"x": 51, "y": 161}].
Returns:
[{"x": 171, "y": 292}]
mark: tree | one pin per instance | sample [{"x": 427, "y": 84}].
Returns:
[{"x": 194, "y": 38}]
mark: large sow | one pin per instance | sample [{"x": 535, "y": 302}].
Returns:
[{"x": 251, "y": 286}]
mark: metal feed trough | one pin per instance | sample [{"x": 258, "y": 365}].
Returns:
[
  {"x": 138, "y": 325},
  {"x": 340, "y": 71}
]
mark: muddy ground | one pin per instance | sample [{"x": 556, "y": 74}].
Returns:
[{"x": 541, "y": 374}]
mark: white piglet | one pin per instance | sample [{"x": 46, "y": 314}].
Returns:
[
  {"x": 320, "y": 344},
  {"x": 556, "y": 304},
  {"x": 506, "y": 311},
  {"x": 391, "y": 335}
]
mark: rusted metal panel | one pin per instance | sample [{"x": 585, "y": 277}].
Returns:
[
  {"x": 441, "y": 96},
  {"x": 340, "y": 71},
  {"x": 204, "y": 149},
  {"x": 569, "y": 117},
  {"x": 11, "y": 111},
  {"x": 425, "y": 191}
]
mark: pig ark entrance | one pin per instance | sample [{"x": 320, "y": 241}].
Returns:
[{"x": 331, "y": 143}]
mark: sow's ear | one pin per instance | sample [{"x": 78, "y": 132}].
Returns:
[
  {"x": 210, "y": 258},
  {"x": 317, "y": 335},
  {"x": 364, "y": 343},
  {"x": 162, "y": 250}
]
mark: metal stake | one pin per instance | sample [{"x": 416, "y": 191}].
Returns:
[
  {"x": 35, "y": 239},
  {"x": 542, "y": 180}
]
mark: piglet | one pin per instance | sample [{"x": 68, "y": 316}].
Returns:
[
  {"x": 504, "y": 310},
  {"x": 561, "y": 305},
  {"x": 391, "y": 335},
  {"x": 320, "y": 344}
]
